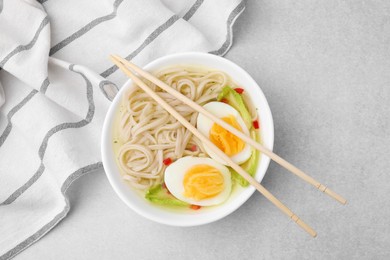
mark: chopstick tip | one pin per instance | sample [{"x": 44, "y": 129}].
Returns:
[{"x": 114, "y": 59}]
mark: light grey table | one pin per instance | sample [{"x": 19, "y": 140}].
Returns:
[{"x": 325, "y": 68}]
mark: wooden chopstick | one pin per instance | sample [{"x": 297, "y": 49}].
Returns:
[
  {"x": 234, "y": 131},
  {"x": 214, "y": 148}
]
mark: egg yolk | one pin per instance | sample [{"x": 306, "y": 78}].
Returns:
[
  {"x": 202, "y": 182},
  {"x": 224, "y": 140}
]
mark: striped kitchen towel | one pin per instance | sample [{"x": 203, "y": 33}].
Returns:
[{"x": 56, "y": 83}]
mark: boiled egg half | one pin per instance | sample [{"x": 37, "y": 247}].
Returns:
[
  {"x": 198, "y": 181},
  {"x": 228, "y": 143}
]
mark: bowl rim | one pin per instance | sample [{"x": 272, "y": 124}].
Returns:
[{"x": 107, "y": 151}]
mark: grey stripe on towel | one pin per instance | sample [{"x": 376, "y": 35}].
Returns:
[
  {"x": 232, "y": 17},
  {"x": 44, "y": 85},
  {"x": 16, "y": 108},
  {"x": 12, "y": 112},
  {"x": 23, "y": 245},
  {"x": 28, "y": 46},
  {"x": 154, "y": 35},
  {"x": 193, "y": 10},
  {"x": 146, "y": 42},
  {"x": 50, "y": 133},
  {"x": 86, "y": 28}
]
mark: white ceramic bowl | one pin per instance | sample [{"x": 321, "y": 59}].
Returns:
[{"x": 205, "y": 215}]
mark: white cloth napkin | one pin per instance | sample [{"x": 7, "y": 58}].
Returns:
[{"x": 54, "y": 68}]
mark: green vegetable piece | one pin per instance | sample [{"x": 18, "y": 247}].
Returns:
[
  {"x": 160, "y": 196},
  {"x": 236, "y": 101},
  {"x": 249, "y": 166}
]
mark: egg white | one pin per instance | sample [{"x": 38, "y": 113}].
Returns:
[
  {"x": 174, "y": 175},
  {"x": 221, "y": 110}
]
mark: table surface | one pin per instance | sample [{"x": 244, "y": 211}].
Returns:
[{"x": 324, "y": 67}]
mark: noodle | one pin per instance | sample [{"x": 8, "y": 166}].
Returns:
[{"x": 148, "y": 134}]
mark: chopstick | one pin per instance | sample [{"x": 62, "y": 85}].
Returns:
[
  {"x": 234, "y": 131},
  {"x": 212, "y": 147}
]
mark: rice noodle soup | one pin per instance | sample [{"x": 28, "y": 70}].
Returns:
[{"x": 163, "y": 161}]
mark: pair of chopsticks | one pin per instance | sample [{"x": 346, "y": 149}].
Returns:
[{"x": 129, "y": 68}]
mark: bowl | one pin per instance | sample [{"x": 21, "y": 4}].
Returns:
[{"x": 208, "y": 214}]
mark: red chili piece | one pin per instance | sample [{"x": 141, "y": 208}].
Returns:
[
  {"x": 256, "y": 124},
  {"x": 224, "y": 100},
  {"x": 167, "y": 161},
  {"x": 195, "y": 207},
  {"x": 194, "y": 148},
  {"x": 239, "y": 90}
]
